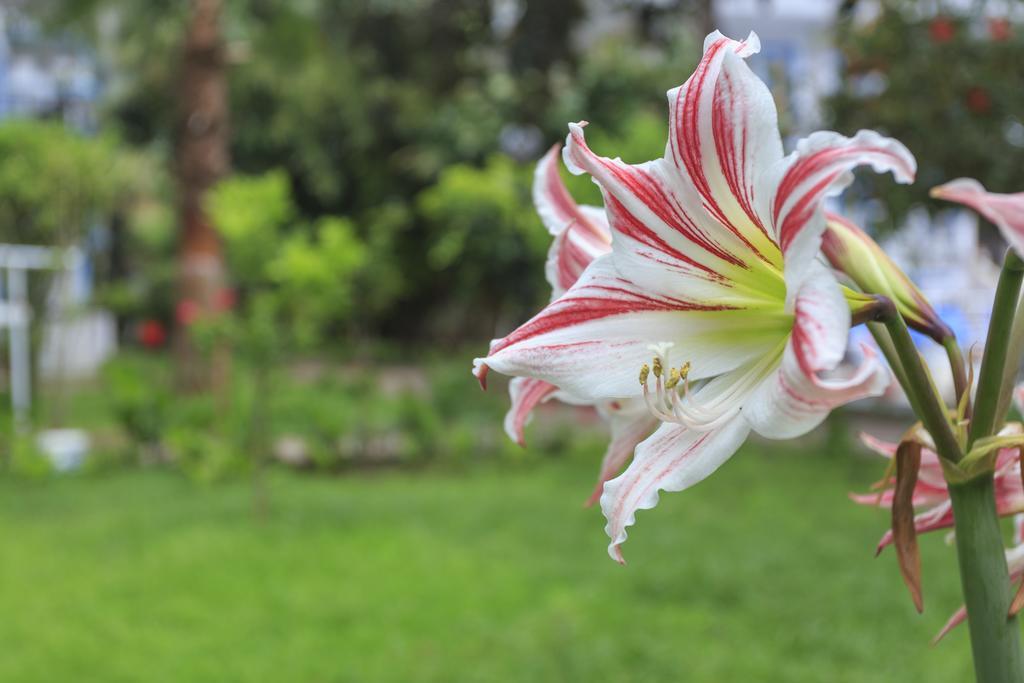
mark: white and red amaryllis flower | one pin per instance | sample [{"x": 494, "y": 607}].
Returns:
[
  {"x": 931, "y": 493},
  {"x": 714, "y": 261},
  {"x": 581, "y": 235},
  {"x": 1006, "y": 211}
]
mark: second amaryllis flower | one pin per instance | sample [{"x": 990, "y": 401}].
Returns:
[
  {"x": 714, "y": 266},
  {"x": 581, "y": 234},
  {"x": 931, "y": 492}
]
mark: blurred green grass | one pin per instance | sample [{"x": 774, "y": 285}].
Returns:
[{"x": 492, "y": 572}]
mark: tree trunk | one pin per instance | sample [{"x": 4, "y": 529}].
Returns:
[{"x": 201, "y": 159}]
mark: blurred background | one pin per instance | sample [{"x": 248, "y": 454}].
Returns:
[{"x": 248, "y": 250}]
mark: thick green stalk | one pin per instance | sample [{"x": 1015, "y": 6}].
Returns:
[
  {"x": 990, "y": 378},
  {"x": 1015, "y": 352},
  {"x": 995, "y": 638}
]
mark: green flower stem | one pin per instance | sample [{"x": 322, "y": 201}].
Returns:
[
  {"x": 995, "y": 638},
  {"x": 884, "y": 342},
  {"x": 956, "y": 366},
  {"x": 1013, "y": 358},
  {"x": 918, "y": 384},
  {"x": 990, "y": 378}
]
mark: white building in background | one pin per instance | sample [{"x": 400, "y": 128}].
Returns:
[
  {"x": 797, "y": 59},
  {"x": 41, "y": 77},
  {"x": 44, "y": 77}
]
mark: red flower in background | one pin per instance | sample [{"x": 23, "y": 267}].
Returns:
[
  {"x": 151, "y": 333},
  {"x": 1000, "y": 29},
  {"x": 941, "y": 30},
  {"x": 189, "y": 311},
  {"x": 978, "y": 100}
]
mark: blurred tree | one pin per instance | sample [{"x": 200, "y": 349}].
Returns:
[
  {"x": 947, "y": 85},
  {"x": 201, "y": 159},
  {"x": 365, "y": 104}
]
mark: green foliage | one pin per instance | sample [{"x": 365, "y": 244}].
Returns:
[
  {"x": 480, "y": 207},
  {"x": 138, "y": 393},
  {"x": 250, "y": 213},
  {"x": 947, "y": 86},
  {"x": 316, "y": 276},
  {"x": 203, "y": 456},
  {"x": 486, "y": 242},
  {"x": 340, "y": 99},
  {"x": 297, "y": 280},
  {"x": 53, "y": 182},
  {"x": 346, "y": 417},
  {"x": 25, "y": 460}
]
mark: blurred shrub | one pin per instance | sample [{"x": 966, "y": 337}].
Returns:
[
  {"x": 250, "y": 213},
  {"x": 139, "y": 396},
  {"x": 204, "y": 456},
  {"x": 339, "y": 419},
  {"x": 296, "y": 280},
  {"x": 26, "y": 461},
  {"x": 194, "y": 433},
  {"x": 53, "y": 182},
  {"x": 945, "y": 84},
  {"x": 487, "y": 247}
]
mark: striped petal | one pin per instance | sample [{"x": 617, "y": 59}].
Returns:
[
  {"x": 672, "y": 459},
  {"x": 664, "y": 241},
  {"x": 1006, "y": 211},
  {"x": 526, "y": 393},
  {"x": 592, "y": 341},
  {"x": 630, "y": 423},
  {"x": 796, "y": 398},
  {"x": 821, "y": 167},
  {"x": 723, "y": 134},
  {"x": 581, "y": 232}
]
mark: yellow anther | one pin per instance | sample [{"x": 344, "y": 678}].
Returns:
[
  {"x": 684, "y": 371},
  {"x": 657, "y": 367},
  {"x": 644, "y": 371},
  {"x": 673, "y": 379}
]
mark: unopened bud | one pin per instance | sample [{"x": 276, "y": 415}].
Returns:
[{"x": 852, "y": 252}]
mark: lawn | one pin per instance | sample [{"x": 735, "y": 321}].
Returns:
[{"x": 491, "y": 572}]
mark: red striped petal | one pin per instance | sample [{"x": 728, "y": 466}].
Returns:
[
  {"x": 820, "y": 167},
  {"x": 631, "y": 422},
  {"x": 525, "y": 393},
  {"x": 592, "y": 341},
  {"x": 673, "y": 459},
  {"x": 1006, "y": 211},
  {"x": 723, "y": 133}
]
